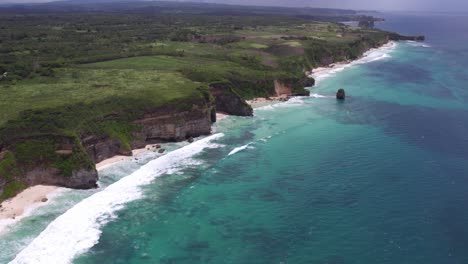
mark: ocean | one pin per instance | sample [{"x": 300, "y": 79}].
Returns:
[{"x": 379, "y": 178}]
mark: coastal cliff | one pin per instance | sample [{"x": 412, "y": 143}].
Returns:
[
  {"x": 69, "y": 161},
  {"x": 228, "y": 101},
  {"x": 43, "y": 155},
  {"x": 293, "y": 87},
  {"x": 158, "y": 126}
]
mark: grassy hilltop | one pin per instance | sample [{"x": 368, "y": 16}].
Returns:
[{"x": 67, "y": 71}]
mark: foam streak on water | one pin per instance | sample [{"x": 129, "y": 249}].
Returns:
[
  {"x": 79, "y": 228},
  {"x": 234, "y": 151}
]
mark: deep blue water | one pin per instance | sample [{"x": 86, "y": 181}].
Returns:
[{"x": 379, "y": 178}]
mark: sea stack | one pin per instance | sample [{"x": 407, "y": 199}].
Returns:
[{"x": 340, "y": 95}]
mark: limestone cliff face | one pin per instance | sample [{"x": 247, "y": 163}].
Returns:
[
  {"x": 282, "y": 88},
  {"x": 227, "y": 101},
  {"x": 101, "y": 148},
  {"x": 45, "y": 160},
  {"x": 292, "y": 87},
  {"x": 68, "y": 161},
  {"x": 80, "y": 179},
  {"x": 163, "y": 125}
]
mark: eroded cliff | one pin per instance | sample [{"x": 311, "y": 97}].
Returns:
[{"x": 50, "y": 158}]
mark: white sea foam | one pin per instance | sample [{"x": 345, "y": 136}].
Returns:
[
  {"x": 266, "y": 107},
  {"x": 78, "y": 229},
  {"x": 6, "y": 224},
  {"x": 292, "y": 102},
  {"x": 315, "y": 95},
  {"x": 234, "y": 151},
  {"x": 417, "y": 44},
  {"x": 370, "y": 56}
]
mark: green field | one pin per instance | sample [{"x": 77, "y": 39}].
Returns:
[{"x": 77, "y": 85}]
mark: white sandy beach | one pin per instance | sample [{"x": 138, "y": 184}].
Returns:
[
  {"x": 110, "y": 161},
  {"x": 16, "y": 206},
  {"x": 261, "y": 101},
  {"x": 113, "y": 160},
  {"x": 36, "y": 196},
  {"x": 344, "y": 63},
  {"x": 221, "y": 116}
]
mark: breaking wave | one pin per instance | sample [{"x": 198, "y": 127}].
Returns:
[
  {"x": 79, "y": 229},
  {"x": 370, "y": 56}
]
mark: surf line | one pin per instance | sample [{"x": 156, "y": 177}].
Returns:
[{"x": 79, "y": 229}]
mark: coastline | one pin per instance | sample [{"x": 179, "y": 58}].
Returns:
[
  {"x": 264, "y": 101},
  {"x": 62, "y": 241},
  {"x": 118, "y": 158},
  {"x": 322, "y": 72},
  {"x": 317, "y": 73},
  {"x": 20, "y": 206},
  {"x": 221, "y": 116},
  {"x": 14, "y": 209}
]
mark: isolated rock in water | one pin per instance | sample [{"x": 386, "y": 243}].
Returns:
[
  {"x": 161, "y": 150},
  {"x": 158, "y": 146},
  {"x": 190, "y": 139},
  {"x": 340, "y": 95},
  {"x": 44, "y": 200}
]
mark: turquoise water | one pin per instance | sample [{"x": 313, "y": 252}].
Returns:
[{"x": 379, "y": 178}]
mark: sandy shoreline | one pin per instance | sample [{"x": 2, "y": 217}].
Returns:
[
  {"x": 221, "y": 116},
  {"x": 115, "y": 159},
  {"x": 32, "y": 196},
  {"x": 346, "y": 62},
  {"x": 262, "y": 101}
]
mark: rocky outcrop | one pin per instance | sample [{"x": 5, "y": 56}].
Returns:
[
  {"x": 282, "y": 88},
  {"x": 164, "y": 125},
  {"x": 292, "y": 87},
  {"x": 68, "y": 161},
  {"x": 340, "y": 94},
  {"x": 80, "y": 179},
  {"x": 45, "y": 160},
  {"x": 227, "y": 101},
  {"x": 101, "y": 148},
  {"x": 309, "y": 82}
]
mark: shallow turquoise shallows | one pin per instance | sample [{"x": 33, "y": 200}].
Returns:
[{"x": 379, "y": 178}]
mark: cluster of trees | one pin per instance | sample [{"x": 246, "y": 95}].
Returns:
[{"x": 34, "y": 42}]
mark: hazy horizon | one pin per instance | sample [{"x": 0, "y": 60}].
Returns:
[{"x": 396, "y": 5}]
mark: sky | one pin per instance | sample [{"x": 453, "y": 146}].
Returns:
[{"x": 408, "y": 5}]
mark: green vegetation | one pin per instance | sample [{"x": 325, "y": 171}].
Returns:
[
  {"x": 9, "y": 172},
  {"x": 11, "y": 189},
  {"x": 8, "y": 167},
  {"x": 42, "y": 151},
  {"x": 68, "y": 75}
]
